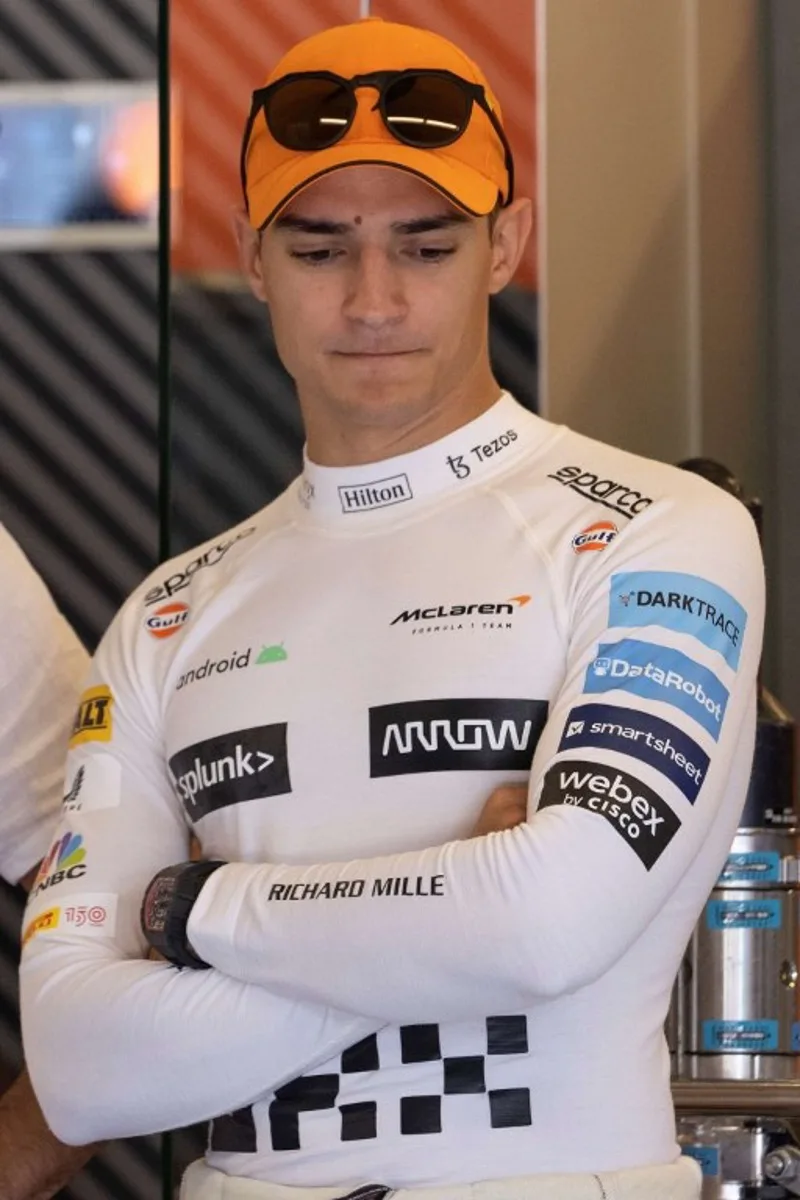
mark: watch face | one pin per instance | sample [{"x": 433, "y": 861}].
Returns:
[{"x": 157, "y": 903}]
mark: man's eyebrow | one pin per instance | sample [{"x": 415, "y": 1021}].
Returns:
[{"x": 295, "y": 224}]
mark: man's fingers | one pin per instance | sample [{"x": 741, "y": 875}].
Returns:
[{"x": 506, "y": 807}]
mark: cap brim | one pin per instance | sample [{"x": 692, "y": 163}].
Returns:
[{"x": 462, "y": 185}]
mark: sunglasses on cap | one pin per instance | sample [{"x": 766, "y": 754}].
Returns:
[{"x": 422, "y": 108}]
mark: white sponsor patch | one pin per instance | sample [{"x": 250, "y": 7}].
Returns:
[
  {"x": 93, "y": 782},
  {"x": 90, "y": 914}
]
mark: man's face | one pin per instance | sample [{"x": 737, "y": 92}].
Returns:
[{"x": 377, "y": 288}]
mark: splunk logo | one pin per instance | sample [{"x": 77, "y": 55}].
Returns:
[
  {"x": 454, "y": 735},
  {"x": 639, "y": 735},
  {"x": 380, "y": 493},
  {"x": 231, "y": 769},
  {"x": 64, "y": 860},
  {"x": 616, "y": 496},
  {"x": 442, "y": 612},
  {"x": 635, "y": 811},
  {"x": 660, "y": 673}
]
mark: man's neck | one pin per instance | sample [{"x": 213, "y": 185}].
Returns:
[{"x": 332, "y": 442}]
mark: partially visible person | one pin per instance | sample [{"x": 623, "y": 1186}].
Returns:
[{"x": 42, "y": 665}]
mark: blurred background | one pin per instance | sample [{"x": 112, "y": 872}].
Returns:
[{"x": 658, "y": 307}]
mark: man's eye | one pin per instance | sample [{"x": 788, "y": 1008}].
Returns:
[
  {"x": 315, "y": 258},
  {"x": 433, "y": 253}
]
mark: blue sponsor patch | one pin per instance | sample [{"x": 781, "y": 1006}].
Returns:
[
  {"x": 685, "y": 603},
  {"x": 642, "y": 736},
  {"x": 762, "y": 866},
  {"x": 660, "y": 673},
  {"x": 744, "y": 914},
  {"x": 706, "y": 1156},
  {"x": 740, "y": 1037}
]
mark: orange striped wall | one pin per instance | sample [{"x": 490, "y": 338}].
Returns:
[{"x": 220, "y": 52}]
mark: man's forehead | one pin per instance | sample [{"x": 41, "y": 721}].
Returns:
[{"x": 359, "y": 195}]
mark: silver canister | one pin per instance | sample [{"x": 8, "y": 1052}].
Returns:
[{"x": 732, "y": 1153}]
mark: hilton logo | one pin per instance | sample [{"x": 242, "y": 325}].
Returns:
[{"x": 379, "y": 494}]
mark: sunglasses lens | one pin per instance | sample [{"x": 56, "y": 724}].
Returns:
[
  {"x": 309, "y": 114},
  {"x": 426, "y": 110}
]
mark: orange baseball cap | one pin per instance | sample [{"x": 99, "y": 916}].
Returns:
[{"x": 473, "y": 172}]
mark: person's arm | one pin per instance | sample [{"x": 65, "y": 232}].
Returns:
[
  {"x": 496, "y": 923},
  {"x": 117, "y": 1046},
  {"x": 34, "y": 1165}
]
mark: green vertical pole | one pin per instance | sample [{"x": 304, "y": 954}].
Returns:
[{"x": 164, "y": 368}]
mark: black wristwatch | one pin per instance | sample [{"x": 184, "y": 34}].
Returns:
[{"x": 168, "y": 902}]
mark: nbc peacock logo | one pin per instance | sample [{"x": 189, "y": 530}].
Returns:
[{"x": 66, "y": 859}]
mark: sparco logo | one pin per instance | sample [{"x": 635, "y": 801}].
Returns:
[
  {"x": 231, "y": 769},
  {"x": 183, "y": 577},
  {"x": 616, "y": 496},
  {"x": 440, "y": 612},
  {"x": 378, "y": 494},
  {"x": 454, "y": 735},
  {"x": 635, "y": 811}
]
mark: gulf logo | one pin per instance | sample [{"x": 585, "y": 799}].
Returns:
[
  {"x": 595, "y": 537},
  {"x": 167, "y": 619}
]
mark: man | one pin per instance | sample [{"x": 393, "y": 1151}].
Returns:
[
  {"x": 456, "y": 595},
  {"x": 43, "y": 666}
]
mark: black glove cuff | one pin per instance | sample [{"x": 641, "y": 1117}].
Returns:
[{"x": 167, "y": 905}]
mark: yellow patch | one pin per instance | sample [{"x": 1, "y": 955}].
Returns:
[
  {"x": 48, "y": 919},
  {"x": 93, "y": 721}
]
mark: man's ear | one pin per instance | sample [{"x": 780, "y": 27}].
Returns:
[
  {"x": 509, "y": 239},
  {"x": 248, "y": 241}
]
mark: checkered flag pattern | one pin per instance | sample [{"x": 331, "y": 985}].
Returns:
[{"x": 419, "y": 1113}]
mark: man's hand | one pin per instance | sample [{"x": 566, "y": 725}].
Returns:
[{"x": 506, "y": 807}]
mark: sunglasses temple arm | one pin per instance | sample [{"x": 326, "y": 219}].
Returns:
[{"x": 248, "y": 129}]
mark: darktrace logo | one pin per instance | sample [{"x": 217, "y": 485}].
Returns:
[
  {"x": 380, "y": 493},
  {"x": 617, "y": 496},
  {"x": 460, "y": 616},
  {"x": 454, "y": 735},
  {"x": 231, "y": 769},
  {"x": 635, "y": 811},
  {"x": 64, "y": 860},
  {"x": 462, "y": 464},
  {"x": 182, "y": 578},
  {"x": 640, "y": 735}
]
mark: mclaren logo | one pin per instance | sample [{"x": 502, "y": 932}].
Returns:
[
  {"x": 454, "y": 735},
  {"x": 443, "y": 612}
]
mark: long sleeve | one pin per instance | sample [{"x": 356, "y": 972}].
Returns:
[
  {"x": 503, "y": 921},
  {"x": 117, "y": 1046}
]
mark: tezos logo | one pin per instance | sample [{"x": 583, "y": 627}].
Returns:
[
  {"x": 660, "y": 673},
  {"x": 64, "y": 860},
  {"x": 454, "y": 735},
  {"x": 616, "y": 496},
  {"x": 167, "y": 620},
  {"x": 93, "y": 721},
  {"x": 231, "y": 769},
  {"x": 182, "y": 578},
  {"x": 380, "y": 493},
  {"x": 462, "y": 466},
  {"x": 595, "y": 537},
  {"x": 635, "y": 811}
]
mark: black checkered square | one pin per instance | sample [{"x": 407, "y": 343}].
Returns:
[
  {"x": 359, "y": 1121},
  {"x": 361, "y": 1057},
  {"x": 462, "y": 1075},
  {"x": 309, "y": 1093},
  {"x": 421, "y": 1114},
  {"x": 507, "y": 1035},
  {"x": 509, "y": 1107},
  {"x": 419, "y": 1043}
]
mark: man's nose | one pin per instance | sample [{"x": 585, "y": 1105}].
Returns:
[{"x": 376, "y": 296}]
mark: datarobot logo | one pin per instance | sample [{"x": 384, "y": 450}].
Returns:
[
  {"x": 232, "y": 769},
  {"x": 454, "y": 735},
  {"x": 635, "y": 811},
  {"x": 379, "y": 493},
  {"x": 181, "y": 578},
  {"x": 617, "y": 496}
]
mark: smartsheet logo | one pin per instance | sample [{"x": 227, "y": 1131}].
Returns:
[
  {"x": 685, "y": 603},
  {"x": 639, "y": 735},
  {"x": 232, "y": 769},
  {"x": 454, "y": 735},
  {"x": 660, "y": 673},
  {"x": 635, "y": 811},
  {"x": 379, "y": 494}
]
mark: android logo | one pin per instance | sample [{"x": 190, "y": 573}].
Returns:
[{"x": 272, "y": 654}]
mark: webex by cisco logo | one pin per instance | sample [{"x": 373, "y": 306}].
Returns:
[
  {"x": 454, "y": 735},
  {"x": 232, "y": 769},
  {"x": 660, "y": 673},
  {"x": 380, "y": 493},
  {"x": 635, "y": 811}
]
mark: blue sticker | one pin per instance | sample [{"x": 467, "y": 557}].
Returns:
[
  {"x": 740, "y": 1037},
  {"x": 706, "y": 1156},
  {"x": 744, "y": 914},
  {"x": 763, "y": 866},
  {"x": 660, "y": 673},
  {"x": 641, "y": 735},
  {"x": 796, "y": 1035},
  {"x": 685, "y": 603}
]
